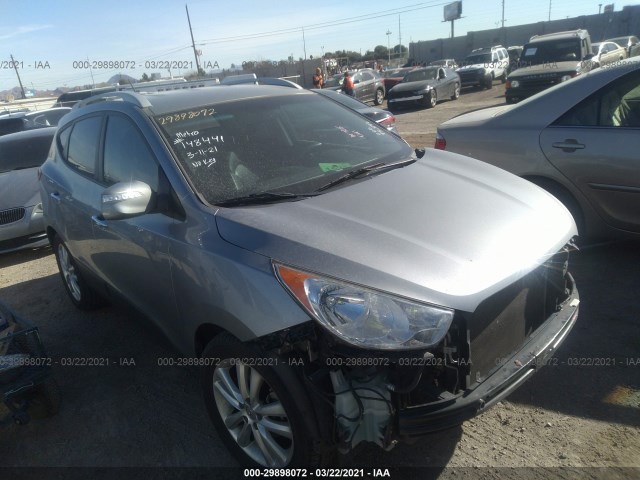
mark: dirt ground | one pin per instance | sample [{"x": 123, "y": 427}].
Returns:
[{"x": 579, "y": 417}]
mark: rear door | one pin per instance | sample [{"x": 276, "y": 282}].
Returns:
[{"x": 595, "y": 145}]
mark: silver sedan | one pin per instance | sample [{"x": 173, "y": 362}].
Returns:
[{"x": 579, "y": 140}]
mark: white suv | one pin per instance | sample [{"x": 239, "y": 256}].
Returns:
[{"x": 483, "y": 65}]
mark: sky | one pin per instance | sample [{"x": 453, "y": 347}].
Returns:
[{"x": 53, "y": 41}]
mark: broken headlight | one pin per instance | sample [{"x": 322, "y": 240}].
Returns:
[{"x": 364, "y": 317}]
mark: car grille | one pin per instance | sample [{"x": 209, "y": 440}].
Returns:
[
  {"x": 503, "y": 322},
  {"x": 11, "y": 215},
  {"x": 472, "y": 76},
  {"x": 540, "y": 82},
  {"x": 403, "y": 94}
]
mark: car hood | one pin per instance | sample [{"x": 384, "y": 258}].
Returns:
[
  {"x": 447, "y": 229},
  {"x": 412, "y": 86},
  {"x": 19, "y": 188},
  {"x": 552, "y": 69},
  {"x": 475, "y": 66}
]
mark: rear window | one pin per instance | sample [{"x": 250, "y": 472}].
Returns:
[
  {"x": 24, "y": 151},
  {"x": 551, "y": 51}
]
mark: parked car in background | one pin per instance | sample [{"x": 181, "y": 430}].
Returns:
[
  {"x": 607, "y": 52},
  {"x": 447, "y": 62},
  {"x": 484, "y": 65},
  {"x": 21, "y": 154},
  {"x": 630, "y": 43},
  {"x": 69, "y": 99},
  {"x": 579, "y": 140},
  {"x": 392, "y": 77},
  {"x": 25, "y": 120},
  {"x": 547, "y": 60},
  {"x": 425, "y": 87},
  {"x": 302, "y": 256},
  {"x": 514, "y": 53},
  {"x": 368, "y": 85},
  {"x": 378, "y": 115}
]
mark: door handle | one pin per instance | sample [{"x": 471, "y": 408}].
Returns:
[
  {"x": 55, "y": 196},
  {"x": 569, "y": 145},
  {"x": 99, "y": 222}
]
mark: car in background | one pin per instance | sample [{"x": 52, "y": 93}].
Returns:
[
  {"x": 69, "y": 99},
  {"x": 378, "y": 115},
  {"x": 394, "y": 76},
  {"x": 425, "y": 87},
  {"x": 630, "y": 43},
  {"x": 484, "y": 65},
  {"x": 607, "y": 52},
  {"x": 578, "y": 140},
  {"x": 548, "y": 60},
  {"x": 514, "y": 57},
  {"x": 368, "y": 85},
  {"x": 26, "y": 120},
  {"x": 446, "y": 62},
  {"x": 302, "y": 255},
  {"x": 21, "y": 154}
]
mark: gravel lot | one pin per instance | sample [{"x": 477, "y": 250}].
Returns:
[{"x": 578, "y": 418}]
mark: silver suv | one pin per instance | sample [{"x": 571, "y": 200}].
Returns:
[
  {"x": 334, "y": 285},
  {"x": 483, "y": 65}
]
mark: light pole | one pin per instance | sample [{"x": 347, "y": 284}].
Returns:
[{"x": 389, "y": 46}]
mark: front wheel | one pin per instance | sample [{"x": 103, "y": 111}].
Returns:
[
  {"x": 81, "y": 294},
  {"x": 260, "y": 408},
  {"x": 456, "y": 92},
  {"x": 433, "y": 99},
  {"x": 379, "y": 97}
]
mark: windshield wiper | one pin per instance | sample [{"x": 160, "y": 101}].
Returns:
[
  {"x": 264, "y": 197},
  {"x": 366, "y": 171}
]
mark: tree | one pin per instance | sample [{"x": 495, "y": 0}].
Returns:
[
  {"x": 399, "y": 49},
  {"x": 145, "y": 78},
  {"x": 381, "y": 51}
]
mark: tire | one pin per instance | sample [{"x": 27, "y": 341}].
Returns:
[
  {"x": 379, "y": 98},
  {"x": 456, "y": 92},
  {"x": 81, "y": 294},
  {"x": 488, "y": 82},
  {"x": 433, "y": 99},
  {"x": 270, "y": 422},
  {"x": 503, "y": 77}
]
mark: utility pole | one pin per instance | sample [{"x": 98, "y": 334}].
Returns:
[
  {"x": 19, "y": 80},
  {"x": 389, "y": 46},
  {"x": 399, "y": 39},
  {"x": 549, "y": 11},
  {"x": 304, "y": 47},
  {"x": 502, "y": 13},
  {"x": 599, "y": 8},
  {"x": 193, "y": 43}
]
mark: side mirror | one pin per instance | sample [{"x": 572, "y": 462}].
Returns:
[{"x": 125, "y": 199}]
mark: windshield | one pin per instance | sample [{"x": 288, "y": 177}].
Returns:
[
  {"x": 420, "y": 75},
  {"x": 18, "y": 153},
  {"x": 551, "y": 52},
  {"x": 477, "y": 59},
  {"x": 292, "y": 144}
]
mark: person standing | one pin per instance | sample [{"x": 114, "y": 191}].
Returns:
[
  {"x": 347, "y": 84},
  {"x": 318, "y": 79}
]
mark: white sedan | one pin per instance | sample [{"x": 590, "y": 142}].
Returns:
[{"x": 607, "y": 52}]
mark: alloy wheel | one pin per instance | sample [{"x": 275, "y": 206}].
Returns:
[
  {"x": 69, "y": 272},
  {"x": 252, "y": 413}
]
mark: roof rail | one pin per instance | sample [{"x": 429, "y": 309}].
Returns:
[{"x": 130, "y": 97}]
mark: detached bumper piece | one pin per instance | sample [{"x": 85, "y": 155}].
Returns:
[{"x": 504, "y": 351}]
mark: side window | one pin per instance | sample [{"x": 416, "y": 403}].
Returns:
[
  {"x": 615, "y": 105},
  {"x": 366, "y": 76},
  {"x": 126, "y": 154},
  {"x": 83, "y": 144},
  {"x": 63, "y": 142}
]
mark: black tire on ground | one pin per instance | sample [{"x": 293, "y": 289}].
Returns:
[
  {"x": 503, "y": 77},
  {"x": 456, "y": 92},
  {"x": 379, "y": 98},
  {"x": 279, "y": 398},
  {"x": 81, "y": 294},
  {"x": 488, "y": 82},
  {"x": 433, "y": 99}
]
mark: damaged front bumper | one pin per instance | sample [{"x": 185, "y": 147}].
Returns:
[{"x": 417, "y": 420}]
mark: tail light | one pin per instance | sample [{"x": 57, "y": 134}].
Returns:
[
  {"x": 388, "y": 122},
  {"x": 441, "y": 143}
]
